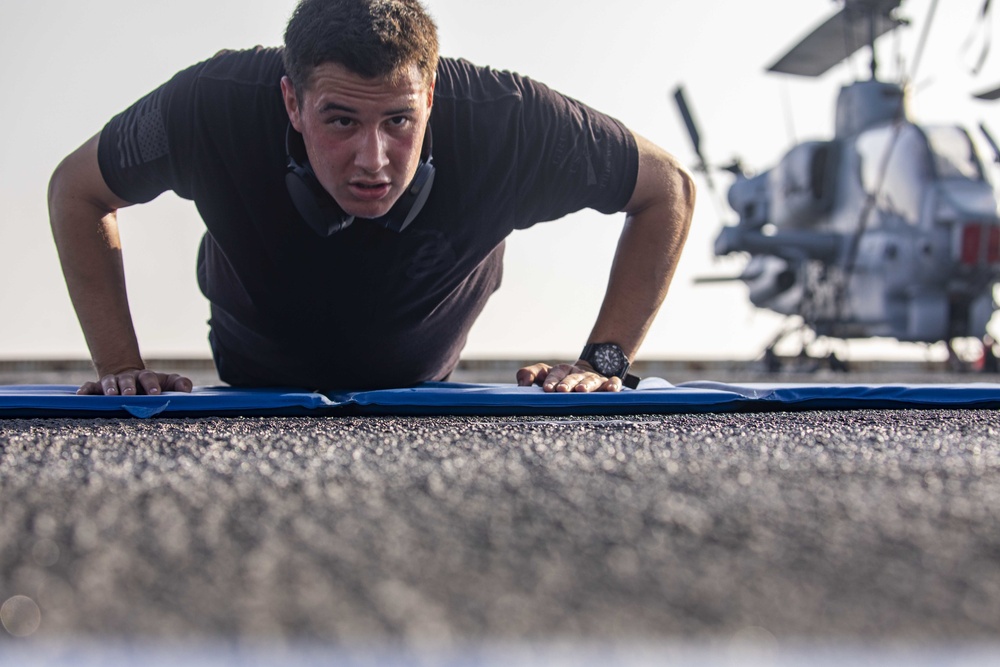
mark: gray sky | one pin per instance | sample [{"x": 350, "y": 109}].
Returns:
[{"x": 66, "y": 68}]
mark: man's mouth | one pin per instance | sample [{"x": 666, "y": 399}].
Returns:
[{"x": 369, "y": 191}]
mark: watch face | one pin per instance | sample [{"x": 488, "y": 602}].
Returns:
[{"x": 607, "y": 359}]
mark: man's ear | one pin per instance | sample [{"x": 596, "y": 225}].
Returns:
[
  {"x": 291, "y": 103},
  {"x": 430, "y": 91}
]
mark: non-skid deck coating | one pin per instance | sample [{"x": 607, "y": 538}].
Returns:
[
  {"x": 654, "y": 396},
  {"x": 837, "y": 527}
]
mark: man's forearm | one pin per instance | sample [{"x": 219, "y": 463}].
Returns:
[
  {"x": 85, "y": 230},
  {"x": 649, "y": 249},
  {"x": 648, "y": 252}
]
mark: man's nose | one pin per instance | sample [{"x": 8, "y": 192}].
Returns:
[{"x": 371, "y": 154}]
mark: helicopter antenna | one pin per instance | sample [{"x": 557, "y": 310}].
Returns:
[{"x": 786, "y": 103}]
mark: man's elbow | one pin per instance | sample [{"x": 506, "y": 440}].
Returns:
[
  {"x": 674, "y": 195},
  {"x": 59, "y": 184},
  {"x": 684, "y": 190},
  {"x": 77, "y": 180},
  {"x": 662, "y": 184},
  {"x": 689, "y": 195}
]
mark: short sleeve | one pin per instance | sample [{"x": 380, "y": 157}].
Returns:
[
  {"x": 572, "y": 157},
  {"x": 142, "y": 149}
]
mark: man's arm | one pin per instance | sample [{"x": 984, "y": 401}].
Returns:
[
  {"x": 83, "y": 215},
  {"x": 658, "y": 218}
]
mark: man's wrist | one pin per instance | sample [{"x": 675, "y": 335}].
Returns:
[
  {"x": 104, "y": 369},
  {"x": 609, "y": 360}
]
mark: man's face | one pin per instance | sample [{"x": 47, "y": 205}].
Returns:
[{"x": 363, "y": 136}]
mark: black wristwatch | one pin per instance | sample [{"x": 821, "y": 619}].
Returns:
[{"x": 609, "y": 360}]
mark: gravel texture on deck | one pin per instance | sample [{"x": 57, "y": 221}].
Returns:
[{"x": 823, "y": 525}]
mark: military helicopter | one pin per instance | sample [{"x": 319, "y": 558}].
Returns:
[{"x": 889, "y": 229}]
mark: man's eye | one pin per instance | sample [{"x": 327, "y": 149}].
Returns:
[
  {"x": 340, "y": 121},
  {"x": 399, "y": 121}
]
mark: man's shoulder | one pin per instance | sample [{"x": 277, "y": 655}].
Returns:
[
  {"x": 257, "y": 66},
  {"x": 231, "y": 82},
  {"x": 462, "y": 80}
]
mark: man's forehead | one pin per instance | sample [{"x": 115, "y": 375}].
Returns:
[{"x": 331, "y": 78}]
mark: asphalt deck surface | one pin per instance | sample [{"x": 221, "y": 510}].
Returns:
[{"x": 828, "y": 526}]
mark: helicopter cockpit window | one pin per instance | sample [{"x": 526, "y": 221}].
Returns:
[
  {"x": 954, "y": 156},
  {"x": 896, "y": 164}
]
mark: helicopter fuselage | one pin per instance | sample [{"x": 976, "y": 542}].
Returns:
[{"x": 888, "y": 229}]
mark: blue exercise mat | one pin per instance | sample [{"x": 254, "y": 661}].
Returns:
[{"x": 654, "y": 396}]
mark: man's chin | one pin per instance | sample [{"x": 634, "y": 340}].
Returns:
[{"x": 369, "y": 210}]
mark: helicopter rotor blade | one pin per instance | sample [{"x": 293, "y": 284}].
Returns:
[
  {"x": 981, "y": 28},
  {"x": 711, "y": 280},
  {"x": 993, "y": 94},
  {"x": 858, "y": 24},
  {"x": 922, "y": 42},
  {"x": 692, "y": 128},
  {"x": 992, "y": 142}
]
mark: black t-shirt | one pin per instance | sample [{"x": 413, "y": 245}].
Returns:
[{"x": 365, "y": 307}]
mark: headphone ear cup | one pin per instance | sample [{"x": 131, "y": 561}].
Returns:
[
  {"x": 411, "y": 201},
  {"x": 317, "y": 208}
]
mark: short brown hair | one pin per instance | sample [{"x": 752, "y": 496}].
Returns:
[{"x": 372, "y": 38}]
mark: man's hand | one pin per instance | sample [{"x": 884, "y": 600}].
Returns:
[
  {"x": 132, "y": 381},
  {"x": 567, "y": 377}
]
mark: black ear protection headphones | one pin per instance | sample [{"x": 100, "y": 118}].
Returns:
[{"x": 322, "y": 213}]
